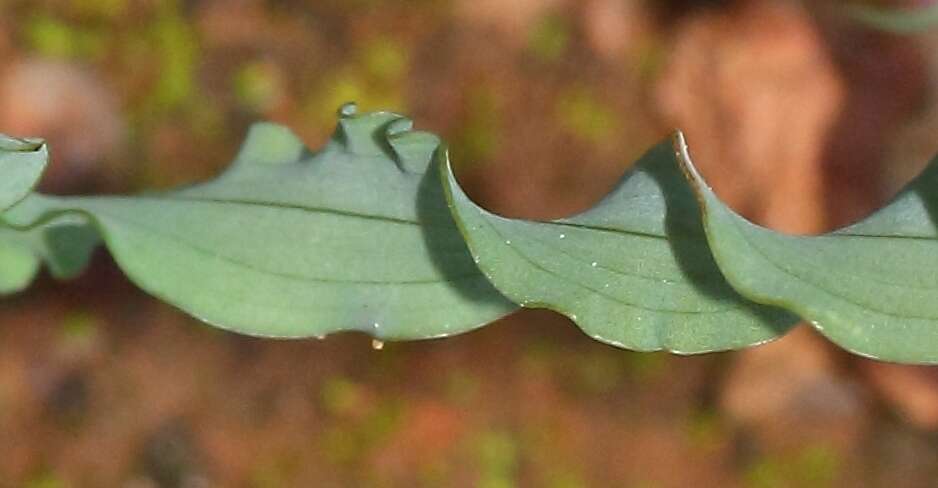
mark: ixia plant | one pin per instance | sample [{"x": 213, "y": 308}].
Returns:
[{"x": 373, "y": 233}]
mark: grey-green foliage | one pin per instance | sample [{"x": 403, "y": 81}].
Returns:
[
  {"x": 363, "y": 235},
  {"x": 633, "y": 271},
  {"x": 18, "y": 262},
  {"x": 870, "y": 287},
  {"x": 65, "y": 245},
  {"x": 288, "y": 243}
]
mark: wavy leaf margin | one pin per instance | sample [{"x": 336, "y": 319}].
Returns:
[{"x": 869, "y": 287}]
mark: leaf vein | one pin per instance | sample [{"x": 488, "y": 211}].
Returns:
[{"x": 599, "y": 292}]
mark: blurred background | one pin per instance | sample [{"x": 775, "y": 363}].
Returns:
[{"x": 802, "y": 119}]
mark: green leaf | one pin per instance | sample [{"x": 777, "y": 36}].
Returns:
[
  {"x": 895, "y": 20},
  {"x": 65, "y": 246},
  {"x": 287, "y": 243},
  {"x": 21, "y": 164},
  {"x": 869, "y": 287},
  {"x": 18, "y": 263},
  {"x": 634, "y": 271}
]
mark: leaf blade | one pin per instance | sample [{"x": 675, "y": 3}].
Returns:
[
  {"x": 869, "y": 287},
  {"x": 630, "y": 271},
  {"x": 291, "y": 243}
]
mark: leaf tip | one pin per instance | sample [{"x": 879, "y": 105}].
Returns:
[
  {"x": 382, "y": 133},
  {"x": 22, "y": 163},
  {"x": 702, "y": 190},
  {"x": 450, "y": 185},
  {"x": 682, "y": 154},
  {"x": 414, "y": 150},
  {"x": 348, "y": 109},
  {"x": 16, "y": 144},
  {"x": 364, "y": 134},
  {"x": 399, "y": 127}
]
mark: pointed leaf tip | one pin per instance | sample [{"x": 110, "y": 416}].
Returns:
[
  {"x": 22, "y": 162},
  {"x": 365, "y": 134},
  {"x": 399, "y": 126},
  {"x": 14, "y": 144},
  {"x": 377, "y": 134},
  {"x": 414, "y": 149},
  {"x": 348, "y": 109}
]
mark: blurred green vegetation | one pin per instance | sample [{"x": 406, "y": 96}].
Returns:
[{"x": 811, "y": 467}]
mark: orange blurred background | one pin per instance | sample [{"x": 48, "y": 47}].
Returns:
[{"x": 802, "y": 119}]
